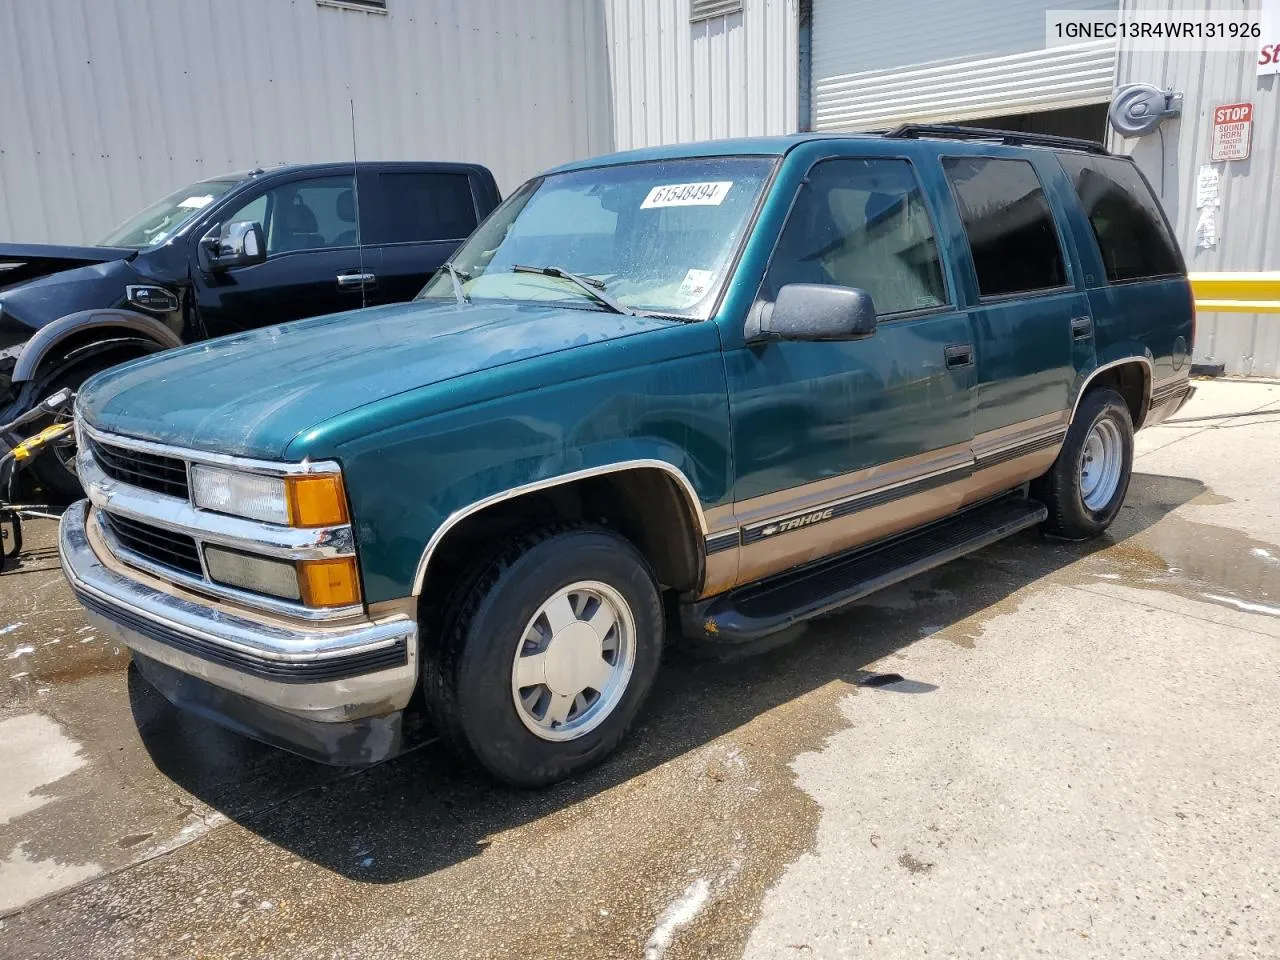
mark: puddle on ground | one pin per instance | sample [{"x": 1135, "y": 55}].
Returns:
[{"x": 1196, "y": 561}]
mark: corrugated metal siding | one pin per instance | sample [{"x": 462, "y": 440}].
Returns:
[
  {"x": 960, "y": 59},
  {"x": 109, "y": 104},
  {"x": 966, "y": 89},
  {"x": 1249, "y": 344},
  {"x": 676, "y": 81}
]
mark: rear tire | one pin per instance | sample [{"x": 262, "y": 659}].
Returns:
[
  {"x": 1086, "y": 485},
  {"x": 546, "y": 654}
]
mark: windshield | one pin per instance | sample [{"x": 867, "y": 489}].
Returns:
[
  {"x": 161, "y": 220},
  {"x": 658, "y": 237}
]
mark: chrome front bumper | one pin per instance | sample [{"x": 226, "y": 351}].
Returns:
[{"x": 253, "y": 672}]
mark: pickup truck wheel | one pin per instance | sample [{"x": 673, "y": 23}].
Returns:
[
  {"x": 1087, "y": 483},
  {"x": 548, "y": 653},
  {"x": 56, "y": 468}
]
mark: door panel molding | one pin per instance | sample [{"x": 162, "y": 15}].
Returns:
[
  {"x": 808, "y": 496},
  {"x": 807, "y": 522}
]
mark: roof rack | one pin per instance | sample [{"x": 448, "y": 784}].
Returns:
[{"x": 913, "y": 131}]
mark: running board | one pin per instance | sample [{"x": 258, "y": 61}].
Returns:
[{"x": 759, "y": 609}]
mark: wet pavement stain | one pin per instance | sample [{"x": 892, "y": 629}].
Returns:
[{"x": 1195, "y": 561}]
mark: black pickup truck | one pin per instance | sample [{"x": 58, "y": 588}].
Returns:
[{"x": 222, "y": 255}]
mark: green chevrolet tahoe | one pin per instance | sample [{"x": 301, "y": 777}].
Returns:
[{"x": 697, "y": 393}]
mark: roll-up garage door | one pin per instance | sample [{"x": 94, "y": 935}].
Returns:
[{"x": 877, "y": 64}]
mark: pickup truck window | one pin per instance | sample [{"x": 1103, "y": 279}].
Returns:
[
  {"x": 1010, "y": 227},
  {"x": 158, "y": 222},
  {"x": 659, "y": 236},
  {"x": 304, "y": 214},
  {"x": 422, "y": 207},
  {"x": 1131, "y": 231},
  {"x": 862, "y": 223}
]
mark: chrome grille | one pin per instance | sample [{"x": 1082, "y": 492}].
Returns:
[
  {"x": 165, "y": 547},
  {"x": 167, "y": 475}
]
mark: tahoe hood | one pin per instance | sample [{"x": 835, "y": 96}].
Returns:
[{"x": 251, "y": 394}]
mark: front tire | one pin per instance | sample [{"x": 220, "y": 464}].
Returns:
[
  {"x": 546, "y": 655},
  {"x": 1086, "y": 485}
]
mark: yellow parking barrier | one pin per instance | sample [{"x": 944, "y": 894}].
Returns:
[{"x": 1236, "y": 292}]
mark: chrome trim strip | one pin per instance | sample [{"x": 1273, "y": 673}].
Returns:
[
  {"x": 1084, "y": 384},
  {"x": 171, "y": 513},
  {"x": 248, "y": 598},
  {"x": 247, "y": 464},
  {"x": 1162, "y": 391},
  {"x": 725, "y": 540},
  {"x": 462, "y": 513},
  {"x": 1043, "y": 441},
  {"x": 1013, "y": 440}
]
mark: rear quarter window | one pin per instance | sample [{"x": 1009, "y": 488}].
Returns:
[
  {"x": 1010, "y": 227},
  {"x": 421, "y": 207},
  {"x": 1132, "y": 233}
]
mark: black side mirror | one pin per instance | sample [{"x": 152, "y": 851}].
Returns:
[
  {"x": 814, "y": 311},
  {"x": 238, "y": 244}
]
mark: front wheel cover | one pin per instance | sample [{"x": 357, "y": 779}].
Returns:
[{"x": 522, "y": 695}]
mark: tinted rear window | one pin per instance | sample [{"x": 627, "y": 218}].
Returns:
[
  {"x": 425, "y": 206},
  {"x": 1011, "y": 230},
  {"x": 1133, "y": 236}
]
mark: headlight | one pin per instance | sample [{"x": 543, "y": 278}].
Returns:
[
  {"x": 306, "y": 501},
  {"x": 241, "y": 494}
]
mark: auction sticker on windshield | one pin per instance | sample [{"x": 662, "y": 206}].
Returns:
[{"x": 709, "y": 194}]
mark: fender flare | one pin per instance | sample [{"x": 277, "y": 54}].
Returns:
[
  {"x": 50, "y": 335},
  {"x": 1142, "y": 359}
]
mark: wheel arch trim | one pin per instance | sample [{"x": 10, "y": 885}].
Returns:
[
  {"x": 1149, "y": 373},
  {"x": 462, "y": 513},
  {"x": 50, "y": 335}
]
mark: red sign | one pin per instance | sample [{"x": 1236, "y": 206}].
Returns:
[{"x": 1232, "y": 132}]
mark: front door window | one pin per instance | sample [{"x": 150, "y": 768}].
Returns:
[
  {"x": 305, "y": 215},
  {"x": 862, "y": 223}
]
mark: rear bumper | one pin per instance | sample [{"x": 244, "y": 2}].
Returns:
[{"x": 330, "y": 692}]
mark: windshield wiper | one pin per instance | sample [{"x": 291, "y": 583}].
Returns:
[
  {"x": 456, "y": 277},
  {"x": 590, "y": 286}
]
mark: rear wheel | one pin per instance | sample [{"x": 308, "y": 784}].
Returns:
[
  {"x": 1086, "y": 485},
  {"x": 546, "y": 655}
]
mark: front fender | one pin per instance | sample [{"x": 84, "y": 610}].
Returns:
[
  {"x": 410, "y": 483},
  {"x": 47, "y": 338}
]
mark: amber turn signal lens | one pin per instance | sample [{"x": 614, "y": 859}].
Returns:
[
  {"x": 329, "y": 583},
  {"x": 317, "y": 501}
]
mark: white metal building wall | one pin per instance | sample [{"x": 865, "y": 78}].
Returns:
[
  {"x": 106, "y": 105},
  {"x": 876, "y": 64},
  {"x": 729, "y": 76},
  {"x": 1249, "y": 344}
]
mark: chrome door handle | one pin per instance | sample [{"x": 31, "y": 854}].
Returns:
[
  {"x": 356, "y": 280},
  {"x": 1081, "y": 328},
  {"x": 959, "y": 355}
]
